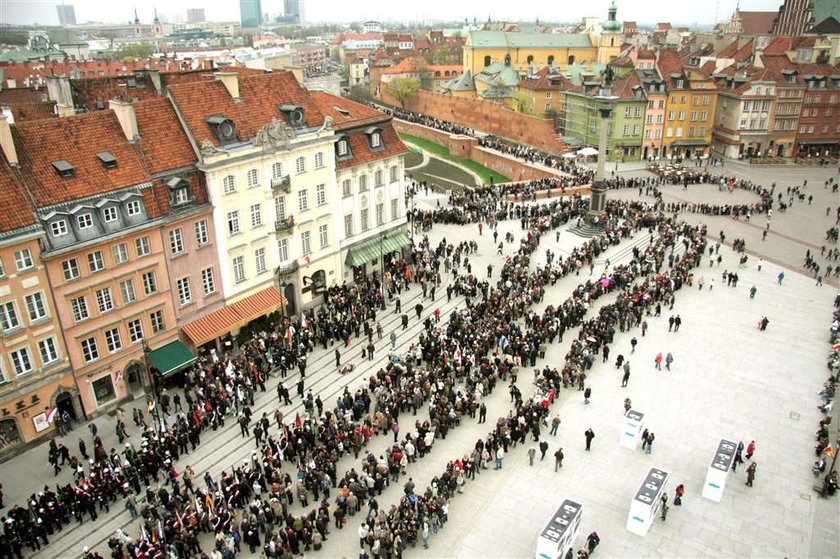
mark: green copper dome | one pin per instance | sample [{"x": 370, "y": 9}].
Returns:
[{"x": 611, "y": 25}]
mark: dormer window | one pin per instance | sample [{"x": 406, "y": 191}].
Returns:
[
  {"x": 179, "y": 191},
  {"x": 342, "y": 147},
  {"x": 58, "y": 228},
  {"x": 109, "y": 214},
  {"x": 679, "y": 84},
  {"x": 84, "y": 221},
  {"x": 223, "y": 129},
  {"x": 108, "y": 160},
  {"x": 294, "y": 114},
  {"x": 374, "y": 135},
  {"x": 64, "y": 169}
]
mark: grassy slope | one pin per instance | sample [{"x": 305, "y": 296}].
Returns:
[{"x": 443, "y": 153}]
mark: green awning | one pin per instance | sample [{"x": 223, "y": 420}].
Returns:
[
  {"x": 171, "y": 358},
  {"x": 369, "y": 250},
  {"x": 690, "y": 143}
]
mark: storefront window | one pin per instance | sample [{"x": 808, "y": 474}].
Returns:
[
  {"x": 9, "y": 434},
  {"x": 103, "y": 389}
]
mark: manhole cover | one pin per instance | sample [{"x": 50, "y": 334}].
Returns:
[
  {"x": 804, "y": 496},
  {"x": 794, "y": 415}
]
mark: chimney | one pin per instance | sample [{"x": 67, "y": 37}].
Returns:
[
  {"x": 127, "y": 117},
  {"x": 230, "y": 81},
  {"x": 7, "y": 142},
  {"x": 64, "y": 110},
  {"x": 58, "y": 89}
]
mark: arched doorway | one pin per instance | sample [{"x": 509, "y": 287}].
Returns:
[
  {"x": 9, "y": 433},
  {"x": 64, "y": 403},
  {"x": 291, "y": 304},
  {"x": 134, "y": 376}
]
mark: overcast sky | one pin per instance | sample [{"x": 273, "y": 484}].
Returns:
[{"x": 641, "y": 11}]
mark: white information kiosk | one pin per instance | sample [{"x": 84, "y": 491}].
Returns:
[
  {"x": 646, "y": 503},
  {"x": 631, "y": 429},
  {"x": 560, "y": 531},
  {"x": 719, "y": 470}
]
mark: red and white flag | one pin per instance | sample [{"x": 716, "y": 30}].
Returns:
[
  {"x": 308, "y": 260},
  {"x": 51, "y": 415}
]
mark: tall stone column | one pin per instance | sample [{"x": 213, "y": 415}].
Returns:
[{"x": 598, "y": 198}]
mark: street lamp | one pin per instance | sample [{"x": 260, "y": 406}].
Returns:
[{"x": 382, "y": 237}]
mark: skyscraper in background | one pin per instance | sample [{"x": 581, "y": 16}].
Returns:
[
  {"x": 293, "y": 11},
  {"x": 250, "y": 13},
  {"x": 195, "y": 15},
  {"x": 66, "y": 14}
]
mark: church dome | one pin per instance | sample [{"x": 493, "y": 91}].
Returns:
[{"x": 611, "y": 25}]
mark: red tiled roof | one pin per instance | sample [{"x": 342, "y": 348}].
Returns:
[
  {"x": 163, "y": 143},
  {"x": 31, "y": 111},
  {"x": 736, "y": 51},
  {"x": 259, "y": 97},
  {"x": 88, "y": 91},
  {"x": 646, "y": 54},
  {"x": 17, "y": 212},
  {"x": 38, "y": 71},
  {"x": 363, "y": 154},
  {"x": 77, "y": 140},
  {"x": 359, "y": 114},
  {"x": 669, "y": 63},
  {"x": 222, "y": 321}
]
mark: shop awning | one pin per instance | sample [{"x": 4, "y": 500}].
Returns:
[
  {"x": 171, "y": 358},
  {"x": 690, "y": 143},
  {"x": 817, "y": 142},
  {"x": 220, "y": 322},
  {"x": 370, "y": 250}
]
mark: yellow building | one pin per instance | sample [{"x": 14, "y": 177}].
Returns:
[{"x": 689, "y": 108}]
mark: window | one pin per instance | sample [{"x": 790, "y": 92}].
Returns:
[
  {"x": 690, "y": 131},
  {"x": 824, "y": 128},
  {"x": 323, "y": 236},
  {"x": 303, "y": 201},
  {"x": 679, "y": 131},
  {"x": 8, "y": 316},
  {"x": 283, "y": 249},
  {"x": 705, "y": 100},
  {"x": 305, "y": 243},
  {"x": 143, "y": 246},
  {"x": 364, "y": 219},
  {"x": 176, "y": 241},
  {"x": 233, "y": 222},
  {"x": 810, "y": 129},
  {"x": 229, "y": 184},
  {"x": 321, "y": 194},
  {"x": 638, "y": 111},
  {"x": 35, "y": 306},
  {"x": 649, "y": 119},
  {"x": 802, "y": 129},
  {"x": 135, "y": 330},
  {"x": 669, "y": 132},
  {"x": 84, "y": 221},
  {"x": 626, "y": 129},
  {"x": 670, "y": 115},
  {"x": 701, "y": 131},
  {"x": 647, "y": 134},
  {"x": 48, "y": 351},
  {"x": 109, "y": 214},
  {"x": 377, "y": 178},
  {"x": 95, "y": 262},
  {"x": 104, "y": 300},
  {"x": 239, "y": 269},
  {"x": 259, "y": 260},
  {"x": 380, "y": 214},
  {"x": 657, "y": 133},
  {"x": 636, "y": 129},
  {"x": 362, "y": 183},
  {"x": 89, "y": 350},
  {"x": 395, "y": 171},
  {"x": 253, "y": 178},
  {"x": 256, "y": 215},
  {"x": 704, "y": 115},
  {"x": 300, "y": 165},
  {"x": 208, "y": 281},
  {"x": 682, "y": 115},
  {"x": 127, "y": 294},
  {"x": 346, "y": 189},
  {"x": 103, "y": 389},
  {"x": 71, "y": 269},
  {"x": 277, "y": 171},
  {"x": 627, "y": 111},
  {"x": 58, "y": 228},
  {"x": 343, "y": 147},
  {"x": 23, "y": 259},
  {"x": 149, "y": 283},
  {"x": 376, "y": 140},
  {"x": 319, "y": 160},
  {"x": 201, "y": 237},
  {"x": 156, "y": 318},
  {"x": 660, "y": 119},
  {"x": 182, "y": 196},
  {"x": 80, "y": 309},
  {"x": 395, "y": 208},
  {"x": 21, "y": 361},
  {"x": 348, "y": 225},
  {"x": 693, "y": 115},
  {"x": 133, "y": 208},
  {"x": 184, "y": 293},
  {"x": 280, "y": 207},
  {"x": 548, "y": 95},
  {"x": 120, "y": 253},
  {"x": 113, "y": 340}
]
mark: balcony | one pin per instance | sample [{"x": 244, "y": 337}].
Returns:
[
  {"x": 283, "y": 183},
  {"x": 286, "y": 268},
  {"x": 285, "y": 224}
]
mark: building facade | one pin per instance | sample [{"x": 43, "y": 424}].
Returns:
[{"x": 250, "y": 13}]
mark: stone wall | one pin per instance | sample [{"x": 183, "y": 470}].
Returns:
[
  {"x": 467, "y": 147},
  {"x": 488, "y": 117}
]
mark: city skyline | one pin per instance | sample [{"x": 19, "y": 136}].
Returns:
[{"x": 38, "y": 12}]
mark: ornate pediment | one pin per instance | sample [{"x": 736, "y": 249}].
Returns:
[{"x": 274, "y": 134}]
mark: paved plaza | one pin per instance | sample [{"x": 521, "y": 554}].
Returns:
[{"x": 729, "y": 380}]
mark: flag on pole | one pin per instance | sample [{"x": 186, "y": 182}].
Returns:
[
  {"x": 829, "y": 451},
  {"x": 51, "y": 415},
  {"x": 118, "y": 376},
  {"x": 307, "y": 259}
]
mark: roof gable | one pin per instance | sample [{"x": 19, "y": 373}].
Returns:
[{"x": 163, "y": 142}]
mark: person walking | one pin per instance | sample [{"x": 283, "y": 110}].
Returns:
[
  {"x": 671, "y": 323},
  {"x": 558, "y": 458},
  {"x": 393, "y": 340},
  {"x": 592, "y": 541},
  {"x": 657, "y": 362},
  {"x": 626, "y": 378},
  {"x": 644, "y": 439},
  {"x": 543, "y": 449},
  {"x": 555, "y": 423},
  {"x": 751, "y": 474},
  {"x": 589, "y": 434},
  {"x": 644, "y": 328},
  {"x": 668, "y": 360},
  {"x": 678, "y": 493},
  {"x": 337, "y": 358},
  {"x": 650, "y": 438},
  {"x": 677, "y": 322},
  {"x": 633, "y": 343},
  {"x": 780, "y": 277},
  {"x": 753, "y": 290},
  {"x": 532, "y": 452},
  {"x": 586, "y": 394},
  {"x": 500, "y": 454},
  {"x": 750, "y": 450}
]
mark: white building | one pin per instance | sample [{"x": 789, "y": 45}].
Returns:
[{"x": 371, "y": 27}]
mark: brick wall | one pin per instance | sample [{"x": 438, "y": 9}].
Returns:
[
  {"x": 467, "y": 147},
  {"x": 488, "y": 117}
]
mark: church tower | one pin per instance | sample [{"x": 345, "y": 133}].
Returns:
[{"x": 609, "y": 43}]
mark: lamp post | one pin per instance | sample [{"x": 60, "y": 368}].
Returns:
[{"x": 382, "y": 237}]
